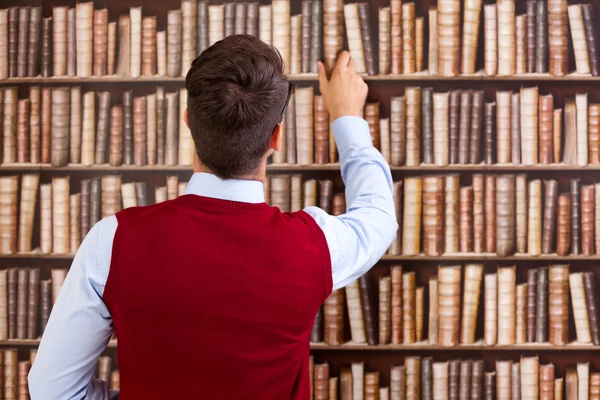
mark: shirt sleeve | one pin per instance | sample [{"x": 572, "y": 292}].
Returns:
[
  {"x": 79, "y": 327},
  {"x": 358, "y": 238}
]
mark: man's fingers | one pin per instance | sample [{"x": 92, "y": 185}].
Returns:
[
  {"x": 323, "y": 81},
  {"x": 352, "y": 66},
  {"x": 342, "y": 61}
]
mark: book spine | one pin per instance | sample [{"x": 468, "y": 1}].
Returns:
[
  {"x": 490, "y": 132},
  {"x": 433, "y": 215},
  {"x": 541, "y": 318},
  {"x": 115, "y": 155},
  {"x": 470, "y": 35},
  {"x": 84, "y": 14},
  {"x": 304, "y": 121},
  {"x": 398, "y": 130},
  {"x": 592, "y": 305},
  {"x": 534, "y": 213},
  {"x": 449, "y": 37},
  {"x": 149, "y": 55},
  {"x": 506, "y": 37},
  {"x": 587, "y": 11},
  {"x": 490, "y": 214},
  {"x": 521, "y": 43},
  {"x": 558, "y": 289},
  {"x": 397, "y": 290},
  {"x": 187, "y": 149},
  {"x": 490, "y": 17},
  {"x": 368, "y": 305},
  {"x": 385, "y": 40},
  {"x": 433, "y": 326},
  {"x": 100, "y": 29},
  {"x": 384, "y": 310},
  {"x": 295, "y": 44},
  {"x": 29, "y": 188},
  {"x": 427, "y": 378},
  {"x": 575, "y": 186},
  {"x": 102, "y": 130},
  {"x": 411, "y": 237},
  {"x": 46, "y": 69},
  {"x": 281, "y": 30},
  {"x": 427, "y": 124},
  {"x": 503, "y": 379},
  {"x": 550, "y": 210},
  {"x": 451, "y": 214},
  {"x": 9, "y": 138},
  {"x": 23, "y": 111},
  {"x": 135, "y": 42},
  {"x": 455, "y": 112},
  {"x": 521, "y": 314},
  {"x": 4, "y": 304},
  {"x": 580, "y": 48},
  {"x": 505, "y": 214},
  {"x": 515, "y": 127},
  {"x": 503, "y": 126},
  {"x": 4, "y": 44},
  {"x": 529, "y": 126},
  {"x": 333, "y": 313},
  {"x": 466, "y": 367},
  {"x": 541, "y": 40},
  {"x": 408, "y": 38},
  {"x": 317, "y": 34},
  {"x": 563, "y": 236},
  {"x": 408, "y": 308},
  {"x": 546, "y": 128},
  {"x": 396, "y": 11},
  {"x": 466, "y": 219},
  {"x": 172, "y": 128},
  {"x": 355, "y": 313},
  {"x": 588, "y": 196},
  {"x": 449, "y": 305},
  {"x": 353, "y": 33},
  {"x": 470, "y": 304},
  {"x": 33, "y": 54},
  {"x": 367, "y": 38},
  {"x": 558, "y": 37},
  {"x": 580, "y": 311},
  {"x": 529, "y": 377},
  {"x": 419, "y": 43},
  {"x": 413, "y": 126},
  {"x": 464, "y": 136},
  {"x": 506, "y": 305},
  {"x": 490, "y": 329}
]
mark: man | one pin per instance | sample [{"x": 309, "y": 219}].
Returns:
[{"x": 213, "y": 295}]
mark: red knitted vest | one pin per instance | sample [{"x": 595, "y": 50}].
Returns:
[{"x": 214, "y": 299}]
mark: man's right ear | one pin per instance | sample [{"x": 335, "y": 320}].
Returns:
[{"x": 275, "y": 143}]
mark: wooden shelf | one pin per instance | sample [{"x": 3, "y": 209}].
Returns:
[
  {"x": 36, "y": 342},
  {"x": 420, "y": 76},
  {"x": 18, "y": 167}
]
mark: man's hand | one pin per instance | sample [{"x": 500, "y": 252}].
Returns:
[{"x": 346, "y": 92}]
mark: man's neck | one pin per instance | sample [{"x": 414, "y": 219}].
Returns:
[{"x": 260, "y": 175}]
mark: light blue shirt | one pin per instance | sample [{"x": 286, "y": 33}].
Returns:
[{"x": 80, "y": 324}]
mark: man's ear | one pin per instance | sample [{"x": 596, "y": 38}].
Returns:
[
  {"x": 185, "y": 118},
  {"x": 276, "y": 138}
]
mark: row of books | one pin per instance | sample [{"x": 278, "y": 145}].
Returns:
[
  {"x": 26, "y": 301},
  {"x": 394, "y": 311},
  {"x": 501, "y": 214},
  {"x": 431, "y": 379},
  {"x": 64, "y": 126},
  {"x": 82, "y": 41}
]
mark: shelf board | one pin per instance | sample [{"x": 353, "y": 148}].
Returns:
[
  {"x": 310, "y": 77},
  {"x": 36, "y": 342},
  {"x": 299, "y": 168}
]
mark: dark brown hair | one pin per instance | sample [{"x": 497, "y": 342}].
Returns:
[{"x": 236, "y": 93}]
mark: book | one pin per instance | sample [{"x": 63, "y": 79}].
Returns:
[
  {"x": 580, "y": 310},
  {"x": 522, "y": 215},
  {"x": 464, "y": 134},
  {"x": 490, "y": 213},
  {"x": 432, "y": 337},
  {"x": 534, "y": 212},
  {"x": 384, "y": 137},
  {"x": 541, "y": 316},
  {"x": 470, "y": 35},
  {"x": 112, "y": 46},
  {"x": 354, "y": 38},
  {"x": 433, "y": 50},
  {"x": 33, "y": 54},
  {"x": 427, "y": 124},
  {"x": 506, "y": 278},
  {"x": 306, "y": 37},
  {"x": 368, "y": 308},
  {"x": 575, "y": 186},
  {"x": 531, "y": 304},
  {"x": 396, "y": 304},
  {"x": 23, "y": 107},
  {"x": 59, "y": 37},
  {"x": 385, "y": 300},
  {"x": 580, "y": 48},
  {"x": 345, "y": 383},
  {"x": 490, "y": 329},
  {"x": 594, "y": 133},
  {"x": 529, "y": 377},
  {"x": 281, "y": 30},
  {"x": 591, "y": 303},
  {"x": 470, "y": 303},
  {"x": 503, "y": 126},
  {"x": 587, "y": 219},
  {"x": 100, "y": 42},
  {"x": 296, "y": 23},
  {"x": 449, "y": 37},
  {"x": 111, "y": 195},
  {"x": 367, "y": 38},
  {"x": 451, "y": 214},
  {"x": 550, "y": 211},
  {"x": 506, "y": 37},
  {"x": 22, "y": 302},
  {"x": 419, "y": 40},
  {"x": 4, "y": 40},
  {"x": 4, "y": 304},
  {"x": 563, "y": 235},
  {"x": 521, "y": 314},
  {"x": 371, "y": 386},
  {"x": 546, "y": 375},
  {"x": 33, "y": 302},
  {"x": 503, "y": 379},
  {"x": 135, "y": 42},
  {"x": 477, "y": 379},
  {"x": 333, "y": 318},
  {"x": 202, "y": 26},
  {"x": 587, "y": 12},
  {"x": 583, "y": 380},
  {"x": 427, "y": 378},
  {"x": 396, "y": 31},
  {"x": 440, "y": 128},
  {"x": 60, "y": 215},
  {"x": 151, "y": 133},
  {"x": 321, "y": 381},
  {"x": 398, "y": 130},
  {"x": 413, "y": 126},
  {"x": 541, "y": 40},
  {"x": 385, "y": 40},
  {"x": 9, "y": 137},
  {"x": 102, "y": 128},
  {"x": 149, "y": 49},
  {"x": 433, "y": 215},
  {"x": 505, "y": 213},
  {"x": 581, "y": 105},
  {"x": 490, "y": 385},
  {"x": 466, "y": 219},
  {"x": 515, "y": 128},
  {"x": 571, "y": 137},
  {"x": 84, "y": 14},
  {"x": 546, "y": 129},
  {"x": 411, "y": 243},
  {"x": 88, "y": 128},
  {"x": 408, "y": 308},
  {"x": 413, "y": 383},
  {"x": 419, "y": 311},
  {"x": 558, "y": 37},
  {"x": 558, "y": 289},
  {"x": 8, "y": 199},
  {"x": 449, "y": 305},
  {"x": 529, "y": 126},
  {"x": 557, "y": 134},
  {"x": 139, "y": 131},
  {"x": 521, "y": 44},
  {"x": 28, "y": 197},
  {"x": 408, "y": 38},
  {"x": 317, "y": 36},
  {"x": 466, "y": 367},
  {"x": 397, "y": 381},
  {"x": 124, "y": 57}
]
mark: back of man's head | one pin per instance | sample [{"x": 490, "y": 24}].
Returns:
[{"x": 236, "y": 93}]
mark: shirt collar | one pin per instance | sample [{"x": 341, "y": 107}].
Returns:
[{"x": 240, "y": 190}]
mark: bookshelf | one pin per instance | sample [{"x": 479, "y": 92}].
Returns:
[{"x": 383, "y": 88}]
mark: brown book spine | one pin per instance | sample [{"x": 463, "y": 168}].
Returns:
[
  {"x": 490, "y": 385},
  {"x": 541, "y": 317},
  {"x": 88, "y": 128},
  {"x": 60, "y": 40},
  {"x": 35, "y": 19},
  {"x": 413, "y": 126},
  {"x": 71, "y": 45},
  {"x": 29, "y": 187},
  {"x": 149, "y": 49},
  {"x": 587, "y": 11},
  {"x": 594, "y": 133},
  {"x": 84, "y": 14},
  {"x": 13, "y": 40},
  {"x": 115, "y": 156},
  {"x": 9, "y": 121},
  {"x": 506, "y": 37},
  {"x": 580, "y": 310},
  {"x": 550, "y": 210},
  {"x": 563, "y": 240},
  {"x": 368, "y": 305},
  {"x": 466, "y": 367},
  {"x": 427, "y": 124},
  {"x": 33, "y": 302},
  {"x": 505, "y": 214},
  {"x": 385, "y": 40},
  {"x": 449, "y": 305},
  {"x": 398, "y": 130},
  {"x": 4, "y": 43},
  {"x": 139, "y": 131},
  {"x": 111, "y": 48},
  {"x": 385, "y": 310},
  {"x": 4, "y": 304},
  {"x": 12, "y": 278},
  {"x": 490, "y": 326},
  {"x": 470, "y": 305},
  {"x": 466, "y": 219},
  {"x": 477, "y": 120},
  {"x": 408, "y": 307},
  {"x": 589, "y": 281},
  {"x": 397, "y": 195},
  {"x": 490, "y": 214},
  {"x": 490, "y": 132},
  {"x": 455, "y": 112},
  {"x": 588, "y": 196},
  {"x": 60, "y": 126},
  {"x": 541, "y": 32},
  {"x": 408, "y": 38},
  {"x": 367, "y": 38},
  {"x": 558, "y": 37},
  {"x": 449, "y": 37},
  {"x": 534, "y": 213},
  {"x": 546, "y": 128},
  {"x": 22, "y": 302},
  {"x": 102, "y": 130},
  {"x": 46, "y": 120},
  {"x": 411, "y": 231},
  {"x": 451, "y": 214},
  {"x": 100, "y": 42},
  {"x": 531, "y": 304},
  {"x": 333, "y": 317},
  {"x": 575, "y": 185},
  {"x": 580, "y": 48},
  {"x": 521, "y": 43},
  {"x": 503, "y": 126},
  {"x": 490, "y": 17},
  {"x": 432, "y": 334},
  {"x": 464, "y": 136},
  {"x": 433, "y": 215},
  {"x": 547, "y": 382},
  {"x": 151, "y": 129},
  {"x": 46, "y": 47},
  {"x": 397, "y": 290},
  {"x": 521, "y": 215},
  {"x": 321, "y": 381},
  {"x": 506, "y": 305},
  {"x": 396, "y": 11},
  {"x": 558, "y": 303},
  {"x": 75, "y": 126},
  {"x": 23, "y": 110},
  {"x": 295, "y": 43},
  {"x": 316, "y": 41},
  {"x": 594, "y": 386},
  {"x": 531, "y": 35},
  {"x": 111, "y": 195},
  {"x": 521, "y": 312},
  {"x": 427, "y": 378},
  {"x": 371, "y": 113},
  {"x": 75, "y": 218}
]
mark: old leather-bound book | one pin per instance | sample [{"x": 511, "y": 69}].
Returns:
[
  {"x": 385, "y": 300},
  {"x": 368, "y": 306},
  {"x": 397, "y": 195},
  {"x": 304, "y": 122},
  {"x": 100, "y": 55},
  {"x": 408, "y": 307},
  {"x": 589, "y": 282},
  {"x": 515, "y": 128},
  {"x": 529, "y": 377},
  {"x": 151, "y": 128},
  {"x": 333, "y": 316},
  {"x": 111, "y": 195},
  {"x": 427, "y": 124},
  {"x": 521, "y": 314},
  {"x": 316, "y": 334},
  {"x": 541, "y": 297},
  {"x": 506, "y": 305},
  {"x": 419, "y": 43},
  {"x": 60, "y": 215},
  {"x": 22, "y": 301},
  {"x": 398, "y": 130},
  {"x": 413, "y": 377},
  {"x": 281, "y": 30},
  {"x": 411, "y": 230},
  {"x": 454, "y": 125},
  {"x": 112, "y": 48},
  {"x": 128, "y": 195},
  {"x": 490, "y": 385},
  {"x": 580, "y": 310},
  {"x": 453, "y": 386},
  {"x": 367, "y": 38},
  {"x": 174, "y": 37},
  {"x": 34, "y": 123},
  {"x": 546, "y": 129},
  {"x": 506, "y": 37},
  {"x": 549, "y": 221},
  {"x": 124, "y": 57},
  {"x": 490, "y": 34},
  {"x": 449, "y": 305},
  {"x": 433, "y": 215},
  {"x": 95, "y": 202},
  {"x": 432, "y": 333},
  {"x": 29, "y": 188},
  {"x": 466, "y": 219},
  {"x": 11, "y": 293},
  {"x": 558, "y": 37},
  {"x": 559, "y": 388},
  {"x": 4, "y": 38},
  {"x": 558, "y": 303},
  {"x": 295, "y": 43},
  {"x": 531, "y": 304},
  {"x": 171, "y": 129},
  {"x": 141, "y": 193},
  {"x": 581, "y": 105},
  {"x": 571, "y": 392},
  {"x": 587, "y": 219},
  {"x": 45, "y": 218},
  {"x": 305, "y": 41},
  {"x": 345, "y": 383},
  {"x": 10, "y": 115},
  {"x": 33, "y": 41},
  {"x": 23, "y": 110},
  {"x": 570, "y": 154},
  {"x": 75, "y": 126},
  {"x": 397, "y": 382},
  {"x": 594, "y": 386},
  {"x": 88, "y": 128},
  {"x": 33, "y": 302},
  {"x": 188, "y": 30},
  {"x": 490, "y": 306},
  {"x": 139, "y": 131},
  {"x": 580, "y": 48},
  {"x": 563, "y": 236},
  {"x": 3, "y": 305},
  {"x": 325, "y": 195},
  {"x": 470, "y": 35},
  {"x": 419, "y": 313},
  {"x": 104, "y": 368},
  {"x": 358, "y": 380},
  {"x": 46, "y": 68},
  {"x": 503, "y": 379},
  {"x": 427, "y": 378},
  {"x": 115, "y": 154},
  {"x": 477, "y": 120},
  {"x": 575, "y": 186},
  {"x": 371, "y": 113},
  {"x": 240, "y": 18},
  {"x": 587, "y": 11},
  {"x": 547, "y": 382},
  {"x": 397, "y": 288},
  {"x": 135, "y": 43},
  {"x": 321, "y": 381},
  {"x": 529, "y": 126},
  {"x": 522, "y": 215},
  {"x": 470, "y": 304},
  {"x": 490, "y": 214},
  {"x": 505, "y": 214},
  {"x": 521, "y": 43},
  {"x": 281, "y": 193},
  {"x": 10, "y": 377},
  {"x": 59, "y": 39},
  {"x": 371, "y": 386},
  {"x": 216, "y": 23},
  {"x": 534, "y": 212},
  {"x": 466, "y": 367},
  {"x": 477, "y": 383},
  {"x": 449, "y": 37},
  {"x": 321, "y": 127},
  {"x": 385, "y": 40},
  {"x": 229, "y": 18},
  {"x": 384, "y": 139},
  {"x": 451, "y": 214},
  {"x": 187, "y": 149},
  {"x": 161, "y": 125},
  {"x": 149, "y": 46},
  {"x": 396, "y": 33},
  {"x": 464, "y": 135},
  {"x": 541, "y": 40},
  {"x": 597, "y": 215},
  {"x": 203, "y": 26},
  {"x": 316, "y": 40},
  {"x": 503, "y": 127},
  {"x": 515, "y": 381},
  {"x": 60, "y": 126},
  {"x": 594, "y": 133},
  {"x": 102, "y": 130},
  {"x": 408, "y": 38},
  {"x": 84, "y": 13},
  {"x": 583, "y": 380},
  {"x": 413, "y": 126}
]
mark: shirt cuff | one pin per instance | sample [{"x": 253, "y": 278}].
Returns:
[{"x": 351, "y": 131}]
